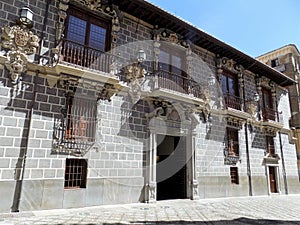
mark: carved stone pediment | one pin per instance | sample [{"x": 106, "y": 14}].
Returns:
[
  {"x": 171, "y": 37},
  {"x": 228, "y": 64},
  {"x": 271, "y": 159},
  {"x": 230, "y": 160}
]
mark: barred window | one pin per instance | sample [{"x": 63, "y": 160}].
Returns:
[
  {"x": 270, "y": 145},
  {"x": 75, "y": 173},
  {"x": 76, "y": 132},
  {"x": 234, "y": 175},
  {"x": 232, "y": 141}
]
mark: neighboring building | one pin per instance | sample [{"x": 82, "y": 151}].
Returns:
[
  {"x": 287, "y": 60},
  {"x": 91, "y": 120}
]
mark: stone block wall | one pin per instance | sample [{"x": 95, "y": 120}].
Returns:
[{"x": 116, "y": 162}]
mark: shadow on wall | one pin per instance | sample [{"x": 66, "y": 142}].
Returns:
[
  {"x": 19, "y": 108},
  {"x": 239, "y": 221}
]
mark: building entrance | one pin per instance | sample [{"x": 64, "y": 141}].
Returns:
[
  {"x": 272, "y": 179},
  {"x": 171, "y": 171}
]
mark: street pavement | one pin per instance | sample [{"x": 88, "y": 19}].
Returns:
[{"x": 275, "y": 209}]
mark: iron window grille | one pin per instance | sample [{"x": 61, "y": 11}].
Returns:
[
  {"x": 234, "y": 175},
  {"x": 75, "y": 173},
  {"x": 75, "y": 133},
  {"x": 232, "y": 141},
  {"x": 270, "y": 145}
]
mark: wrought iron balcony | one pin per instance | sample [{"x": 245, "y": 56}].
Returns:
[
  {"x": 232, "y": 101},
  {"x": 178, "y": 83},
  {"x": 85, "y": 56},
  {"x": 269, "y": 114}
]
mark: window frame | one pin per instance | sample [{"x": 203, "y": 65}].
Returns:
[
  {"x": 90, "y": 19},
  {"x": 233, "y": 76},
  {"x": 270, "y": 143},
  {"x": 76, "y": 170},
  {"x": 234, "y": 175},
  {"x": 232, "y": 138}
]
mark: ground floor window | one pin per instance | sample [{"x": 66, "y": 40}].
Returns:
[
  {"x": 75, "y": 173},
  {"x": 234, "y": 175}
]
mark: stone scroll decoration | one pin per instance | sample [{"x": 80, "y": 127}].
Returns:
[{"x": 19, "y": 42}]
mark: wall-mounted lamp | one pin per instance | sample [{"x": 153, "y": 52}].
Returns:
[
  {"x": 211, "y": 80},
  {"x": 256, "y": 97},
  {"x": 26, "y": 16},
  {"x": 19, "y": 42},
  {"x": 141, "y": 56}
]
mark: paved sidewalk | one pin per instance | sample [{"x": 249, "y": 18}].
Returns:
[{"x": 280, "y": 209}]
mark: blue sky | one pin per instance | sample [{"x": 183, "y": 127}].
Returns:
[{"x": 252, "y": 26}]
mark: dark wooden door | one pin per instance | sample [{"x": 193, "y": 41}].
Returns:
[{"x": 272, "y": 177}]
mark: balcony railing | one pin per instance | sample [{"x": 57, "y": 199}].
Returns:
[
  {"x": 232, "y": 101},
  {"x": 85, "y": 56},
  {"x": 178, "y": 83},
  {"x": 269, "y": 114}
]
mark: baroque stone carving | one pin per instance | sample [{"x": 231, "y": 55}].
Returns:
[
  {"x": 135, "y": 74},
  {"x": 252, "y": 108},
  {"x": 235, "y": 121},
  {"x": 161, "y": 109},
  {"x": 19, "y": 42},
  {"x": 169, "y": 36},
  {"x": 107, "y": 92}
]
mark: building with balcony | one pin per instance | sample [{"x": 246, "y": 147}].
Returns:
[
  {"x": 109, "y": 102},
  {"x": 287, "y": 60}
]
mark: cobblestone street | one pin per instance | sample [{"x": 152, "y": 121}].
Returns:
[{"x": 251, "y": 210}]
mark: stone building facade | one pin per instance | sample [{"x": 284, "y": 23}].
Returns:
[
  {"x": 109, "y": 102},
  {"x": 287, "y": 60}
]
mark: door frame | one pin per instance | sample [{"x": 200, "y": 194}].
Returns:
[{"x": 276, "y": 169}]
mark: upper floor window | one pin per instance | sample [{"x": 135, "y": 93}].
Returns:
[
  {"x": 230, "y": 90},
  {"x": 274, "y": 62},
  {"x": 270, "y": 145},
  {"x": 267, "y": 104},
  {"x": 86, "y": 38},
  {"x": 232, "y": 141},
  {"x": 172, "y": 69}
]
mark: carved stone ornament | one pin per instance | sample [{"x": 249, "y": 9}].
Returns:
[
  {"x": 107, "y": 92},
  {"x": 235, "y": 121},
  {"x": 169, "y": 36},
  {"x": 134, "y": 72},
  {"x": 252, "y": 108},
  {"x": 18, "y": 42},
  {"x": 92, "y": 4},
  {"x": 228, "y": 64}
]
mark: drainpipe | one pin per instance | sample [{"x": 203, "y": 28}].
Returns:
[
  {"x": 23, "y": 155},
  {"x": 281, "y": 153},
  {"x": 19, "y": 175},
  {"x": 247, "y": 147}
]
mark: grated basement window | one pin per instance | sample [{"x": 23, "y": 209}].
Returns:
[
  {"x": 76, "y": 132},
  {"x": 75, "y": 173},
  {"x": 234, "y": 175}
]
